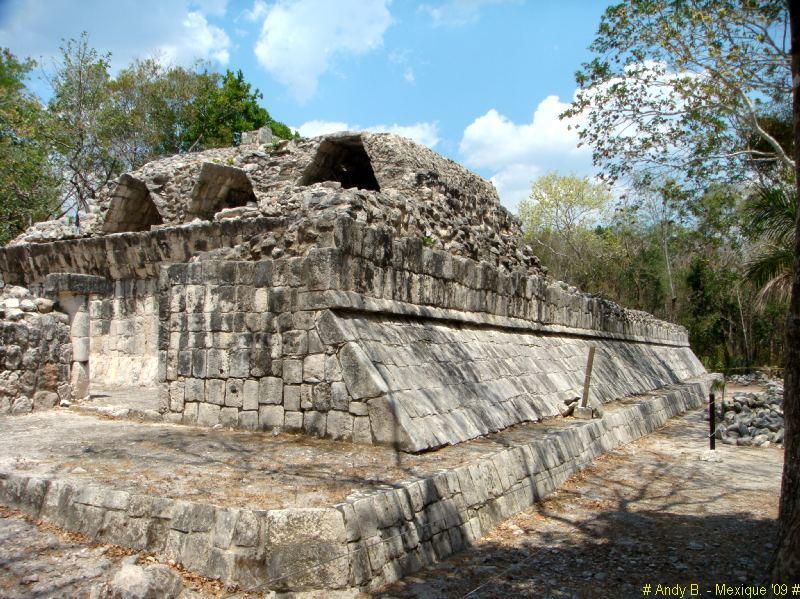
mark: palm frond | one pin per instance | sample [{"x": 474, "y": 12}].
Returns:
[{"x": 770, "y": 215}]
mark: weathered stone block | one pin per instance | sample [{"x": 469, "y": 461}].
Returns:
[
  {"x": 234, "y": 393},
  {"x": 360, "y": 375},
  {"x": 314, "y": 423},
  {"x": 291, "y": 397},
  {"x": 270, "y": 390},
  {"x": 270, "y": 417},
  {"x": 229, "y": 417},
  {"x": 314, "y": 368},
  {"x": 339, "y": 425},
  {"x": 215, "y": 391},
  {"x": 293, "y": 371},
  {"x": 250, "y": 395},
  {"x": 208, "y": 414},
  {"x": 248, "y": 420}
]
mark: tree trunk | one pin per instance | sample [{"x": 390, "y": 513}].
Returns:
[{"x": 786, "y": 565}]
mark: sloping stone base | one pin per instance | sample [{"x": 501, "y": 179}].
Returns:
[{"x": 373, "y": 537}]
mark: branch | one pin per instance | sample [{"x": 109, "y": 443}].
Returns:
[{"x": 784, "y": 158}]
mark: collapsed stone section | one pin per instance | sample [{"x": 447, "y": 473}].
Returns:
[
  {"x": 35, "y": 352},
  {"x": 342, "y": 159},
  {"x": 219, "y": 186},
  {"x": 378, "y": 179},
  {"x": 131, "y": 208}
]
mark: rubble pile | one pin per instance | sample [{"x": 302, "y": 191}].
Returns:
[{"x": 753, "y": 419}]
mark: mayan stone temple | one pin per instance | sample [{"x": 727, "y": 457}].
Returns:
[{"x": 353, "y": 293}]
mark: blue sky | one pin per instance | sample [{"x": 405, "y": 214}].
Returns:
[{"x": 480, "y": 81}]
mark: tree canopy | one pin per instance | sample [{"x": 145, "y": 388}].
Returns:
[
  {"x": 688, "y": 89},
  {"x": 54, "y": 158}
]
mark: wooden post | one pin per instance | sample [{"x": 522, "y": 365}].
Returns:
[
  {"x": 712, "y": 420},
  {"x": 588, "y": 380}
]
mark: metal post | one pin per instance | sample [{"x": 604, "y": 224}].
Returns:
[
  {"x": 587, "y": 381},
  {"x": 712, "y": 421}
]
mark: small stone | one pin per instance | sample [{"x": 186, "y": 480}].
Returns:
[{"x": 152, "y": 582}]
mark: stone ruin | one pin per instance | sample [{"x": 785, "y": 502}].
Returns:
[{"x": 354, "y": 286}]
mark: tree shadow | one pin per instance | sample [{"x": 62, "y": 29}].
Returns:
[{"x": 609, "y": 543}]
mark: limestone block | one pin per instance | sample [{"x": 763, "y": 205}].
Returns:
[
  {"x": 340, "y": 398},
  {"x": 234, "y": 393},
  {"x": 293, "y": 421},
  {"x": 270, "y": 390},
  {"x": 208, "y": 414},
  {"x": 21, "y": 405},
  {"x": 79, "y": 380},
  {"x": 248, "y": 420},
  {"x": 215, "y": 391},
  {"x": 190, "y": 412},
  {"x": 250, "y": 395},
  {"x": 270, "y": 416},
  {"x": 362, "y": 430},
  {"x": 314, "y": 368},
  {"x": 339, "y": 425},
  {"x": 229, "y": 416},
  {"x": 360, "y": 375},
  {"x": 357, "y": 408},
  {"x": 217, "y": 363},
  {"x": 240, "y": 363},
  {"x": 80, "y": 324},
  {"x": 301, "y": 542},
  {"x": 194, "y": 390},
  {"x": 314, "y": 423},
  {"x": 291, "y": 397},
  {"x": 80, "y": 349},
  {"x": 294, "y": 343},
  {"x": 293, "y": 371},
  {"x": 321, "y": 397}
]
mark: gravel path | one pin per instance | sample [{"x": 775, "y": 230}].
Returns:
[{"x": 662, "y": 510}]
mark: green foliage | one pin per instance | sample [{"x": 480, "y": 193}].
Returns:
[
  {"x": 27, "y": 184},
  {"x": 679, "y": 257},
  {"x": 223, "y": 107},
  {"x": 97, "y": 126},
  {"x": 558, "y": 216},
  {"x": 687, "y": 89},
  {"x": 770, "y": 216}
]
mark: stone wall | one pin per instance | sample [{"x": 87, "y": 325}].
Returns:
[
  {"x": 381, "y": 340},
  {"x": 35, "y": 353},
  {"x": 124, "y": 335}
]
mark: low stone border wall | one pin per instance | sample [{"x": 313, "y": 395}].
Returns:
[{"x": 370, "y": 539}]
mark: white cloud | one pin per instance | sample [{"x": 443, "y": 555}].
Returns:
[
  {"x": 514, "y": 154},
  {"x": 300, "y": 39},
  {"x": 199, "y": 39},
  {"x": 314, "y": 128},
  {"x": 258, "y": 12},
  {"x": 455, "y": 13},
  {"x": 178, "y": 31},
  {"x": 424, "y": 133}
]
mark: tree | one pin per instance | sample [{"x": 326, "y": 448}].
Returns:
[
  {"x": 786, "y": 565},
  {"x": 683, "y": 88},
  {"x": 222, "y": 110},
  {"x": 81, "y": 121},
  {"x": 558, "y": 217},
  {"x": 28, "y": 187}
]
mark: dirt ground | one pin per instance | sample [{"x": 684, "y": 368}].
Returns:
[{"x": 661, "y": 510}]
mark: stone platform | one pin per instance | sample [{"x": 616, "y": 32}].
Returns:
[{"x": 288, "y": 512}]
